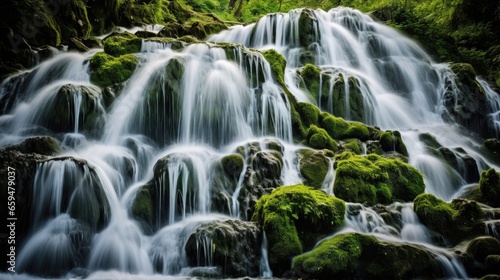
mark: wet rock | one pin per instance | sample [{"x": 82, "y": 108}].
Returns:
[
  {"x": 294, "y": 219},
  {"x": 456, "y": 221},
  {"x": 354, "y": 255},
  {"x": 313, "y": 166},
  {"x": 233, "y": 246},
  {"x": 44, "y": 145}
]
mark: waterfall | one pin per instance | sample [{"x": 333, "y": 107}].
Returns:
[{"x": 138, "y": 177}]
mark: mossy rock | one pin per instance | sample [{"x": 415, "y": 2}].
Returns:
[
  {"x": 313, "y": 166},
  {"x": 234, "y": 246},
  {"x": 456, "y": 221},
  {"x": 345, "y": 87},
  {"x": 162, "y": 104},
  {"x": 107, "y": 70},
  {"x": 340, "y": 129},
  {"x": 391, "y": 141},
  {"x": 489, "y": 186},
  {"x": 233, "y": 164},
  {"x": 294, "y": 219},
  {"x": 482, "y": 247},
  {"x": 311, "y": 75},
  {"x": 142, "y": 209},
  {"x": 318, "y": 138},
  {"x": 359, "y": 256},
  {"x": 44, "y": 145},
  {"x": 59, "y": 114},
  {"x": 118, "y": 44},
  {"x": 277, "y": 63},
  {"x": 309, "y": 113},
  {"x": 352, "y": 145},
  {"x": 373, "y": 179},
  {"x": 308, "y": 24},
  {"x": 160, "y": 193}
]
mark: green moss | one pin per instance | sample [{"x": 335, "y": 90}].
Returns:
[
  {"x": 309, "y": 113},
  {"x": 392, "y": 141},
  {"x": 119, "y": 44},
  {"x": 313, "y": 166},
  {"x": 353, "y": 145},
  {"x": 277, "y": 63},
  {"x": 311, "y": 76},
  {"x": 337, "y": 256},
  {"x": 489, "y": 185},
  {"x": 318, "y": 138},
  {"x": 294, "y": 218},
  {"x": 338, "y": 128},
  {"x": 107, "y": 70},
  {"x": 374, "y": 179},
  {"x": 456, "y": 221},
  {"x": 233, "y": 164},
  {"x": 142, "y": 207},
  {"x": 359, "y": 256}
]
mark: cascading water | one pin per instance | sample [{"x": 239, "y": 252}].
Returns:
[{"x": 185, "y": 111}]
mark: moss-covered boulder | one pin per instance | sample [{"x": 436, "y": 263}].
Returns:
[
  {"x": 294, "y": 218},
  {"x": 107, "y": 70},
  {"x": 232, "y": 245},
  {"x": 159, "y": 117},
  {"x": 59, "y": 115},
  {"x": 358, "y": 256},
  {"x": 277, "y": 63},
  {"x": 309, "y": 113},
  {"x": 391, "y": 141},
  {"x": 482, "y": 254},
  {"x": 233, "y": 164},
  {"x": 43, "y": 145},
  {"x": 142, "y": 209},
  {"x": 339, "y": 129},
  {"x": 308, "y": 27},
  {"x": 313, "y": 166},
  {"x": 456, "y": 221},
  {"x": 118, "y": 44},
  {"x": 171, "y": 194},
  {"x": 489, "y": 186},
  {"x": 224, "y": 178},
  {"x": 313, "y": 82},
  {"x": 373, "y": 179},
  {"x": 318, "y": 138}
]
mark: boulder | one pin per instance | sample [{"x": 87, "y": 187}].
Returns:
[
  {"x": 232, "y": 245},
  {"x": 294, "y": 218}
]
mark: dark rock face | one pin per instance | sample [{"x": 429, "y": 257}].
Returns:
[
  {"x": 465, "y": 101},
  {"x": 233, "y": 246}
]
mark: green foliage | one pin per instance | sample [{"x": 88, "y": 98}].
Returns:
[
  {"x": 374, "y": 179},
  {"x": 107, "y": 70},
  {"x": 294, "y": 218},
  {"x": 456, "y": 221},
  {"x": 489, "y": 185}
]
